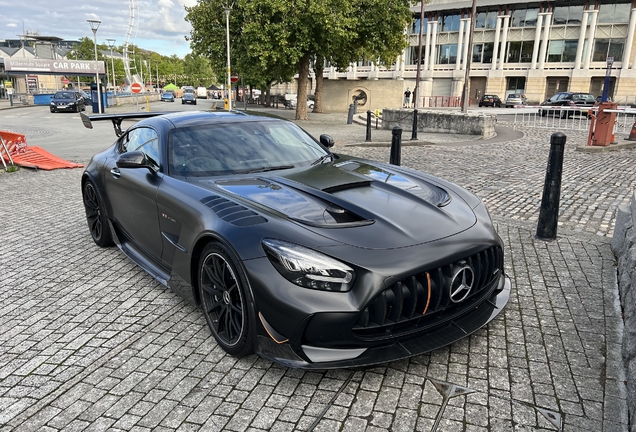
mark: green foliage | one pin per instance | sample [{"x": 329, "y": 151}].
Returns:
[{"x": 272, "y": 40}]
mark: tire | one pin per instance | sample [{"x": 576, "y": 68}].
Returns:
[
  {"x": 95, "y": 216},
  {"x": 52, "y": 110},
  {"x": 564, "y": 114},
  {"x": 543, "y": 112},
  {"x": 182, "y": 102},
  {"x": 195, "y": 102},
  {"x": 225, "y": 300},
  {"x": 480, "y": 105}
]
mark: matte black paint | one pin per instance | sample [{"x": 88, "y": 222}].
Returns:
[{"x": 385, "y": 222}]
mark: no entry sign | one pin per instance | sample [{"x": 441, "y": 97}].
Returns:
[{"x": 135, "y": 87}]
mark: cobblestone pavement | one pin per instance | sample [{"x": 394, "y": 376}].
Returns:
[{"x": 88, "y": 341}]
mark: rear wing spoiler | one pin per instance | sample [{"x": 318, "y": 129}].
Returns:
[{"x": 116, "y": 119}]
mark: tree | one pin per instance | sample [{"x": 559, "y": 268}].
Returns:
[{"x": 275, "y": 39}]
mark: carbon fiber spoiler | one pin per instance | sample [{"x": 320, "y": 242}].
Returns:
[{"x": 116, "y": 119}]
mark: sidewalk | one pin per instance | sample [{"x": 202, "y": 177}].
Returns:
[{"x": 88, "y": 341}]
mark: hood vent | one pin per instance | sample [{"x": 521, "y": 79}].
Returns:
[{"x": 232, "y": 212}]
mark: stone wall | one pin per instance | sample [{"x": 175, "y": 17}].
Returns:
[
  {"x": 385, "y": 93},
  {"x": 442, "y": 122},
  {"x": 624, "y": 247}
]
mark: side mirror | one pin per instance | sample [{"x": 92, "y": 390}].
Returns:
[
  {"x": 326, "y": 140},
  {"x": 135, "y": 159}
]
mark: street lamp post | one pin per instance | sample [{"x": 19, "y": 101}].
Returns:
[
  {"x": 111, "y": 44},
  {"x": 229, "y": 74},
  {"x": 94, "y": 26}
]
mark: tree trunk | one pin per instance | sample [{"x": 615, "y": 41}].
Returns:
[
  {"x": 301, "y": 97},
  {"x": 319, "y": 68}
]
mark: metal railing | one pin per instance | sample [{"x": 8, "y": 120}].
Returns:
[{"x": 569, "y": 118}]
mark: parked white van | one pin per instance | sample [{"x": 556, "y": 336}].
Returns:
[{"x": 202, "y": 93}]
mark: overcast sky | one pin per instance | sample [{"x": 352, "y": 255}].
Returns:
[{"x": 160, "y": 24}]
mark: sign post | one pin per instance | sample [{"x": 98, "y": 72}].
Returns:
[{"x": 136, "y": 88}]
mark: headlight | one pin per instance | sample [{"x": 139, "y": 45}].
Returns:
[{"x": 308, "y": 268}]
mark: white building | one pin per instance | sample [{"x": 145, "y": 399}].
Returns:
[{"x": 537, "y": 48}]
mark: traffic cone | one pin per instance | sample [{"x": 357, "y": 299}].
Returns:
[{"x": 632, "y": 134}]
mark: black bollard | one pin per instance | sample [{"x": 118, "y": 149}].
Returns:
[
  {"x": 549, "y": 213},
  {"x": 368, "y": 126},
  {"x": 396, "y": 144},
  {"x": 350, "y": 115},
  {"x": 414, "y": 131}
]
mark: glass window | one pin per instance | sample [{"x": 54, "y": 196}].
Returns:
[
  {"x": 230, "y": 148},
  {"x": 415, "y": 28},
  {"x": 480, "y": 21},
  {"x": 622, "y": 13},
  {"x": 520, "y": 52},
  {"x": 604, "y": 48},
  {"x": 526, "y": 51},
  {"x": 447, "y": 54},
  {"x": 562, "y": 50},
  {"x": 575, "y": 15},
  {"x": 143, "y": 139},
  {"x": 531, "y": 17},
  {"x": 614, "y": 13},
  {"x": 518, "y": 18},
  {"x": 560, "y": 15},
  {"x": 555, "y": 51},
  {"x": 482, "y": 53},
  {"x": 478, "y": 51},
  {"x": 450, "y": 23},
  {"x": 491, "y": 20},
  {"x": 569, "y": 50},
  {"x": 616, "y": 49},
  {"x": 412, "y": 55},
  {"x": 514, "y": 52}
]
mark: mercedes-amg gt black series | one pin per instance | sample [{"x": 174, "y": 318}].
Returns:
[{"x": 309, "y": 258}]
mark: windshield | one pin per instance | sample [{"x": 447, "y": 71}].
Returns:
[
  {"x": 234, "y": 148},
  {"x": 64, "y": 95}
]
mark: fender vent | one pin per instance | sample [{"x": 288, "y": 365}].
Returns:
[{"x": 232, "y": 212}]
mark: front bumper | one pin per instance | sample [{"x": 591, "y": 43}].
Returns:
[{"x": 396, "y": 349}]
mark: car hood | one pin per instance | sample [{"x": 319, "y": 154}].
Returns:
[{"x": 357, "y": 202}]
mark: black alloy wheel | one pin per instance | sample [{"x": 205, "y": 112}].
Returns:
[
  {"x": 222, "y": 289},
  {"x": 95, "y": 217}
]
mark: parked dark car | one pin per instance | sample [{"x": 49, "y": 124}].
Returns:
[
  {"x": 516, "y": 99},
  {"x": 567, "y": 104},
  {"x": 309, "y": 258},
  {"x": 167, "y": 97},
  {"x": 67, "y": 100},
  {"x": 189, "y": 98},
  {"x": 490, "y": 100}
]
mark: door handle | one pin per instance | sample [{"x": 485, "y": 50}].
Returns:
[{"x": 115, "y": 172}]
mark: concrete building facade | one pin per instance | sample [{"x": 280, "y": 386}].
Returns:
[{"x": 537, "y": 48}]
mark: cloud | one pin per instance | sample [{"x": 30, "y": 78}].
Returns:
[{"x": 158, "y": 23}]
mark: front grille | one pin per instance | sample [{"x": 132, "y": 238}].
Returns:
[{"x": 424, "y": 300}]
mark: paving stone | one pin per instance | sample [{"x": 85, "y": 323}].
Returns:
[{"x": 88, "y": 341}]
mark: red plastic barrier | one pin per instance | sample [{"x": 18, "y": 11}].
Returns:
[{"x": 31, "y": 157}]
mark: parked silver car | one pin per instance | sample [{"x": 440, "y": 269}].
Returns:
[{"x": 516, "y": 99}]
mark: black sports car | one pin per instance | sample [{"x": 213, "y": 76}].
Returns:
[{"x": 309, "y": 258}]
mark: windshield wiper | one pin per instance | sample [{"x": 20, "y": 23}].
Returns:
[
  {"x": 264, "y": 169},
  {"x": 322, "y": 159}
]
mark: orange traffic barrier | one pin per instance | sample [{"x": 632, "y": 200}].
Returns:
[{"x": 26, "y": 156}]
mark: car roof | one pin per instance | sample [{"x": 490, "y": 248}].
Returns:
[{"x": 196, "y": 118}]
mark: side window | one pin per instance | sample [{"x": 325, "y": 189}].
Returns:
[
  {"x": 150, "y": 145},
  {"x": 142, "y": 139}
]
